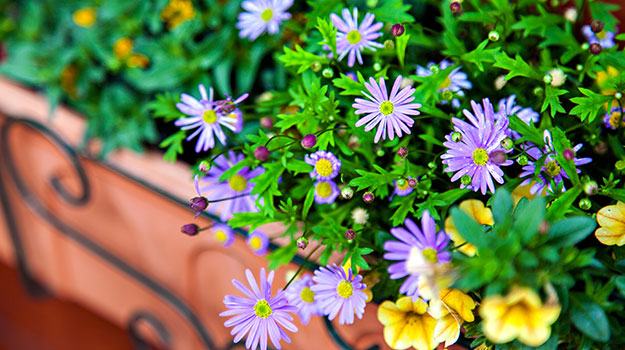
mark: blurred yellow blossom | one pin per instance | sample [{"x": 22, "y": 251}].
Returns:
[
  {"x": 138, "y": 60},
  {"x": 520, "y": 314},
  {"x": 612, "y": 222},
  {"x": 68, "y": 78},
  {"x": 176, "y": 12},
  {"x": 451, "y": 309},
  {"x": 476, "y": 210},
  {"x": 407, "y": 324},
  {"x": 522, "y": 192},
  {"x": 122, "y": 47},
  {"x": 85, "y": 17}
]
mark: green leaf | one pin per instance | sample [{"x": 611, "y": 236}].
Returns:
[
  {"x": 174, "y": 146},
  {"x": 298, "y": 166},
  {"x": 569, "y": 231},
  {"x": 235, "y": 169},
  {"x": 254, "y": 220},
  {"x": 310, "y": 196},
  {"x": 406, "y": 205},
  {"x": 502, "y": 206},
  {"x": 561, "y": 143},
  {"x": 349, "y": 86},
  {"x": 558, "y": 208},
  {"x": 552, "y": 100},
  {"x": 301, "y": 58},
  {"x": 328, "y": 32},
  {"x": 602, "y": 11},
  {"x": 524, "y": 227},
  {"x": 589, "y": 318},
  {"x": 164, "y": 107},
  {"x": 393, "y": 11},
  {"x": 588, "y": 107},
  {"x": 468, "y": 228},
  {"x": 282, "y": 256},
  {"x": 400, "y": 47},
  {"x": 477, "y": 17},
  {"x": 479, "y": 56},
  {"x": 531, "y": 133},
  {"x": 517, "y": 67},
  {"x": 371, "y": 180},
  {"x": 620, "y": 285}
]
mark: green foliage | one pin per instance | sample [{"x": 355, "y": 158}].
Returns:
[
  {"x": 517, "y": 66},
  {"x": 589, "y": 106},
  {"x": 301, "y": 58}
]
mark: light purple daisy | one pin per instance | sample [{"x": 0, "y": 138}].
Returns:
[
  {"x": 237, "y": 185},
  {"x": 479, "y": 154},
  {"x": 325, "y": 192},
  {"x": 337, "y": 291},
  {"x": 604, "y": 38},
  {"x": 417, "y": 251},
  {"x": 258, "y": 242},
  {"x": 302, "y": 298},
  {"x": 262, "y": 16},
  {"x": 508, "y": 107},
  {"x": 389, "y": 113},
  {"x": 223, "y": 234},
  {"x": 258, "y": 314},
  {"x": 614, "y": 119},
  {"x": 455, "y": 81},
  {"x": 326, "y": 165},
  {"x": 353, "y": 38},
  {"x": 551, "y": 169},
  {"x": 207, "y": 119}
]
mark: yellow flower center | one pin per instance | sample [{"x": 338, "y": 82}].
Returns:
[
  {"x": 237, "y": 183},
  {"x": 307, "y": 295},
  {"x": 445, "y": 84},
  {"x": 601, "y": 35},
  {"x": 480, "y": 157},
  {"x": 324, "y": 189},
  {"x": 122, "y": 47},
  {"x": 221, "y": 236},
  {"x": 85, "y": 17},
  {"x": 353, "y": 37},
  {"x": 345, "y": 289},
  {"x": 209, "y": 116},
  {"x": 615, "y": 119},
  {"x": 430, "y": 255},
  {"x": 386, "y": 107},
  {"x": 267, "y": 15},
  {"x": 262, "y": 309},
  {"x": 324, "y": 167},
  {"x": 255, "y": 243},
  {"x": 553, "y": 169},
  {"x": 403, "y": 186}
]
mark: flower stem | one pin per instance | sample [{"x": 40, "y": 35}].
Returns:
[{"x": 300, "y": 267}]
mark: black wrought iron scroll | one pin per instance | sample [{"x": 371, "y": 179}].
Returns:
[{"x": 82, "y": 198}]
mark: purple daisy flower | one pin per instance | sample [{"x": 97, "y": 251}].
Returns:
[
  {"x": 353, "y": 38},
  {"x": 258, "y": 242},
  {"x": 258, "y": 314},
  {"x": 223, "y": 234},
  {"x": 389, "y": 113},
  {"x": 604, "y": 38},
  {"x": 236, "y": 185},
  {"x": 479, "y": 153},
  {"x": 325, "y": 192},
  {"x": 508, "y": 107},
  {"x": 335, "y": 290},
  {"x": 402, "y": 190},
  {"x": 261, "y": 16},
  {"x": 417, "y": 250},
  {"x": 206, "y": 119},
  {"x": 302, "y": 298},
  {"x": 455, "y": 81},
  {"x": 326, "y": 165},
  {"x": 551, "y": 169},
  {"x": 614, "y": 119}
]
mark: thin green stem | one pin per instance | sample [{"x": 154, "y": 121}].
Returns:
[{"x": 300, "y": 267}]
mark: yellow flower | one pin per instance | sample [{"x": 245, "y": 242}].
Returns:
[
  {"x": 122, "y": 47},
  {"x": 176, "y": 12},
  {"x": 69, "y": 76},
  {"x": 605, "y": 80},
  {"x": 451, "y": 309},
  {"x": 138, "y": 60},
  {"x": 476, "y": 210},
  {"x": 483, "y": 346},
  {"x": 85, "y": 17},
  {"x": 407, "y": 324},
  {"x": 612, "y": 222},
  {"x": 522, "y": 192},
  {"x": 520, "y": 314}
]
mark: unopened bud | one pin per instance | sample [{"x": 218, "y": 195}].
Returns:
[
  {"x": 377, "y": 67},
  {"x": 498, "y": 157},
  {"x": 261, "y": 153},
  {"x": 204, "y": 166},
  {"x": 266, "y": 122},
  {"x": 595, "y": 48},
  {"x": 412, "y": 183},
  {"x": 401, "y": 182},
  {"x": 591, "y": 188},
  {"x": 522, "y": 160},
  {"x": 368, "y": 197},
  {"x": 389, "y": 44},
  {"x": 493, "y": 36},
  {"x": 618, "y": 95},
  {"x": 544, "y": 227},
  {"x": 547, "y": 79},
  {"x": 347, "y": 193},
  {"x": 448, "y": 95},
  {"x": 596, "y": 26},
  {"x": 538, "y": 91},
  {"x": 456, "y": 136},
  {"x": 398, "y": 29},
  {"x": 601, "y": 148},
  {"x": 568, "y": 154},
  {"x": 302, "y": 243},
  {"x": 579, "y": 67},
  {"x": 466, "y": 180},
  {"x": 327, "y": 73},
  {"x": 434, "y": 69},
  {"x": 585, "y": 204},
  {"x": 620, "y": 165},
  {"x": 455, "y": 7},
  {"x": 198, "y": 203},
  {"x": 190, "y": 229},
  {"x": 309, "y": 141},
  {"x": 315, "y": 66},
  {"x": 507, "y": 143},
  {"x": 380, "y": 153},
  {"x": 350, "y": 234},
  {"x": 402, "y": 152}
]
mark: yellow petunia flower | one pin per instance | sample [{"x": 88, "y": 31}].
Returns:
[
  {"x": 520, "y": 314},
  {"x": 122, "y": 48},
  {"x": 521, "y": 192},
  {"x": 612, "y": 222},
  {"x": 85, "y": 17},
  {"x": 176, "y": 12},
  {"x": 407, "y": 324},
  {"x": 476, "y": 210},
  {"x": 605, "y": 80},
  {"x": 451, "y": 310}
]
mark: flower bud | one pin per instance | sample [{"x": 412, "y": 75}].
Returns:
[
  {"x": 595, "y": 48},
  {"x": 568, "y": 154},
  {"x": 498, "y": 157},
  {"x": 432, "y": 165},
  {"x": 585, "y": 204},
  {"x": 261, "y": 153},
  {"x": 544, "y": 227},
  {"x": 618, "y": 95},
  {"x": 198, "y": 203},
  {"x": 204, "y": 166},
  {"x": 585, "y": 46},
  {"x": 596, "y": 26},
  {"x": 434, "y": 69},
  {"x": 493, "y": 36},
  {"x": 389, "y": 44},
  {"x": 447, "y": 95},
  {"x": 190, "y": 229},
  {"x": 398, "y": 29},
  {"x": 402, "y": 152},
  {"x": 347, "y": 192},
  {"x": 538, "y": 91},
  {"x": 377, "y": 67},
  {"x": 327, "y": 73},
  {"x": 412, "y": 183},
  {"x": 380, "y": 153},
  {"x": 456, "y": 136},
  {"x": 309, "y": 141},
  {"x": 315, "y": 66},
  {"x": 547, "y": 79},
  {"x": 302, "y": 243},
  {"x": 368, "y": 197},
  {"x": 401, "y": 182},
  {"x": 579, "y": 67},
  {"x": 620, "y": 165},
  {"x": 466, "y": 180},
  {"x": 507, "y": 143},
  {"x": 601, "y": 148},
  {"x": 455, "y": 7},
  {"x": 350, "y": 234},
  {"x": 591, "y": 188},
  {"x": 522, "y": 160},
  {"x": 266, "y": 122}
]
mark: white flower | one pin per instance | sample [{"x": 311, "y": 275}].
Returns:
[
  {"x": 557, "y": 77},
  {"x": 360, "y": 216},
  {"x": 571, "y": 14},
  {"x": 500, "y": 82}
]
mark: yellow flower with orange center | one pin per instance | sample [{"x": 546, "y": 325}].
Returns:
[
  {"x": 521, "y": 315},
  {"x": 451, "y": 309},
  {"x": 476, "y": 210},
  {"x": 612, "y": 222},
  {"x": 407, "y": 323},
  {"x": 85, "y": 17},
  {"x": 122, "y": 47},
  {"x": 176, "y": 12}
]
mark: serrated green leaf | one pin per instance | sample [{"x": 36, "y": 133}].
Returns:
[
  {"x": 348, "y": 85},
  {"x": 393, "y": 11},
  {"x": 328, "y": 32},
  {"x": 589, "y": 107},
  {"x": 300, "y": 57},
  {"x": 517, "y": 67},
  {"x": 479, "y": 55},
  {"x": 558, "y": 208},
  {"x": 552, "y": 100}
]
